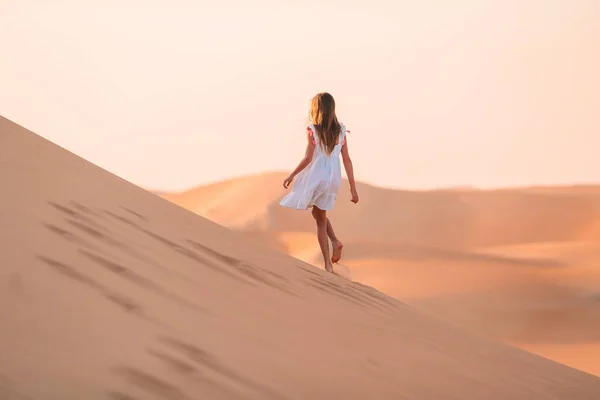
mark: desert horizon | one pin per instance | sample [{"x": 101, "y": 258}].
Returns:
[{"x": 578, "y": 185}]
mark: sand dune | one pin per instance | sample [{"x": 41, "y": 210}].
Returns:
[
  {"x": 427, "y": 218},
  {"x": 220, "y": 202},
  {"x": 519, "y": 264},
  {"x": 110, "y": 292}
]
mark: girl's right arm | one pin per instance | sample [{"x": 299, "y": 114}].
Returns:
[
  {"x": 308, "y": 156},
  {"x": 349, "y": 171}
]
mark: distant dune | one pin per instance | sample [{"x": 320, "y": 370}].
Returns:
[
  {"x": 519, "y": 264},
  {"x": 110, "y": 292},
  {"x": 428, "y": 218}
]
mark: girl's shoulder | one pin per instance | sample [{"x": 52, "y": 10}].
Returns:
[
  {"x": 343, "y": 132},
  {"x": 311, "y": 132}
]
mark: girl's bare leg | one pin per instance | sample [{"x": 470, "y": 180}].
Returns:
[
  {"x": 321, "y": 219},
  {"x": 335, "y": 243}
]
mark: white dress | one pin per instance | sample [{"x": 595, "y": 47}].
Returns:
[{"x": 319, "y": 183}]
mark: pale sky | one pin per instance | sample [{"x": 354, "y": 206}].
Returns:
[{"x": 171, "y": 94}]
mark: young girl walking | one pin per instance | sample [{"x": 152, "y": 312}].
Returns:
[{"x": 319, "y": 173}]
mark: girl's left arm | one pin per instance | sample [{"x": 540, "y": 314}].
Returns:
[{"x": 308, "y": 156}]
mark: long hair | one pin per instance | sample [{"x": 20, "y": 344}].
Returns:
[{"x": 322, "y": 116}]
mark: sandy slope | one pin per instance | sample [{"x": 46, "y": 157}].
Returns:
[
  {"x": 109, "y": 292},
  {"x": 519, "y": 264}
]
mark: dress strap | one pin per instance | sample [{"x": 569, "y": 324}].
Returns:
[
  {"x": 343, "y": 134},
  {"x": 310, "y": 131}
]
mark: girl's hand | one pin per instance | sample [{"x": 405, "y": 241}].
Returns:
[
  {"x": 287, "y": 182},
  {"x": 354, "y": 196}
]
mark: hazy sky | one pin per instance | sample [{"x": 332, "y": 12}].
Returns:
[{"x": 170, "y": 94}]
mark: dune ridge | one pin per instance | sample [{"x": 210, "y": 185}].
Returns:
[{"x": 110, "y": 292}]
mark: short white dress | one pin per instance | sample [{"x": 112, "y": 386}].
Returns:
[{"x": 319, "y": 183}]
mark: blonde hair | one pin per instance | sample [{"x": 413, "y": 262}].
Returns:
[{"x": 322, "y": 116}]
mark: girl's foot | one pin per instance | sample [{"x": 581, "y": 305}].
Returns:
[
  {"x": 329, "y": 268},
  {"x": 337, "y": 251}
]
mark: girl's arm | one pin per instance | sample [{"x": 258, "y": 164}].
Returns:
[
  {"x": 308, "y": 156},
  {"x": 349, "y": 171}
]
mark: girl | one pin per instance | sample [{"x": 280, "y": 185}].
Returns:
[{"x": 320, "y": 174}]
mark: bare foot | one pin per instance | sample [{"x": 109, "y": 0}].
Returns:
[
  {"x": 329, "y": 268},
  {"x": 337, "y": 251}
]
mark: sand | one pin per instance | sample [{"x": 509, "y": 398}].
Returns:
[
  {"x": 518, "y": 264},
  {"x": 111, "y": 292}
]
